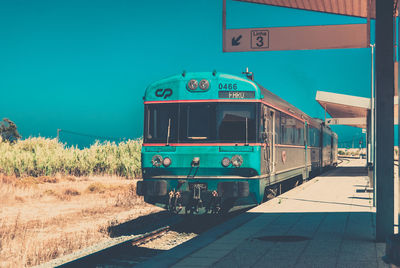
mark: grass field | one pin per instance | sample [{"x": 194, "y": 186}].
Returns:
[{"x": 48, "y": 157}]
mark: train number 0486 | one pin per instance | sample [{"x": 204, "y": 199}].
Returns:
[{"x": 227, "y": 86}]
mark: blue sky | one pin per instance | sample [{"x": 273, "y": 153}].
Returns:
[{"x": 84, "y": 65}]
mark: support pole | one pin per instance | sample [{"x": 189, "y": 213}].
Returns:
[
  {"x": 397, "y": 21},
  {"x": 368, "y": 139},
  {"x": 372, "y": 125},
  {"x": 373, "y": 132},
  {"x": 223, "y": 24},
  {"x": 384, "y": 120}
]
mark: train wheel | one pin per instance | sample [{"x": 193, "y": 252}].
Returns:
[
  {"x": 271, "y": 192},
  {"x": 226, "y": 205},
  {"x": 298, "y": 181}
]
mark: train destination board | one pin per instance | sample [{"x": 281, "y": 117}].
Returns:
[
  {"x": 296, "y": 38},
  {"x": 236, "y": 94}
]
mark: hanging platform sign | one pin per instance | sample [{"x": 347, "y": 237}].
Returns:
[{"x": 296, "y": 38}]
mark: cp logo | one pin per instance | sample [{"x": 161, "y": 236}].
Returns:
[{"x": 164, "y": 92}]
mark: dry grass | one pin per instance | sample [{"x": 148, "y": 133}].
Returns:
[{"x": 46, "y": 217}]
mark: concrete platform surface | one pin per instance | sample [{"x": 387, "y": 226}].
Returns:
[{"x": 328, "y": 221}]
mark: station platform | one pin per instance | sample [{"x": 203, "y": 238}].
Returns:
[{"x": 328, "y": 221}]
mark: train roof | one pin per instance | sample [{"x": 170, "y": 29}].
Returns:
[
  {"x": 278, "y": 102},
  {"x": 174, "y": 88},
  {"x": 217, "y": 82}
]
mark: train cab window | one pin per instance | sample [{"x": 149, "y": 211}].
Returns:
[
  {"x": 197, "y": 122},
  {"x": 236, "y": 122},
  {"x": 158, "y": 118}
]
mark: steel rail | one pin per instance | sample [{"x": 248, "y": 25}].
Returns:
[{"x": 79, "y": 259}]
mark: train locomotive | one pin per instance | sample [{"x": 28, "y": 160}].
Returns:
[{"x": 214, "y": 142}]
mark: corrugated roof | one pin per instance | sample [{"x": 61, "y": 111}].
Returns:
[{"x": 355, "y": 8}]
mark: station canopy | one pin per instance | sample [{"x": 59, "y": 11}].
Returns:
[
  {"x": 355, "y": 8},
  {"x": 348, "y": 110}
]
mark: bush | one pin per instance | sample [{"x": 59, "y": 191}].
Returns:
[
  {"x": 47, "y": 157},
  {"x": 8, "y": 131}
]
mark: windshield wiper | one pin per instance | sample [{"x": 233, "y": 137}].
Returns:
[
  {"x": 169, "y": 131},
  {"x": 247, "y": 131}
]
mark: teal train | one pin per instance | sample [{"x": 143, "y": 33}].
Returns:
[{"x": 214, "y": 142}]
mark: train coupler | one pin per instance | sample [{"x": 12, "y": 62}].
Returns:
[
  {"x": 214, "y": 206},
  {"x": 196, "y": 202},
  {"x": 175, "y": 201}
]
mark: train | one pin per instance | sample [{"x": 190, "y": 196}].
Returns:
[{"x": 215, "y": 142}]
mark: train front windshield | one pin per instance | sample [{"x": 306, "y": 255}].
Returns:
[{"x": 201, "y": 122}]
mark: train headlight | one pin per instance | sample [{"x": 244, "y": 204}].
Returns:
[
  {"x": 157, "y": 160},
  {"x": 192, "y": 84},
  {"x": 237, "y": 160},
  {"x": 167, "y": 162},
  {"x": 226, "y": 162},
  {"x": 204, "y": 84}
]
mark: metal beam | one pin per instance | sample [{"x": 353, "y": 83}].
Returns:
[
  {"x": 384, "y": 120},
  {"x": 346, "y": 121}
]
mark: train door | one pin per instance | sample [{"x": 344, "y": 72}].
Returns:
[
  {"x": 321, "y": 142},
  {"x": 305, "y": 136},
  {"x": 269, "y": 140},
  {"x": 331, "y": 162},
  {"x": 273, "y": 141}
]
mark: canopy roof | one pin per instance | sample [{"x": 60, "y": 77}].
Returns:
[
  {"x": 345, "y": 106},
  {"x": 348, "y": 110},
  {"x": 355, "y": 8}
]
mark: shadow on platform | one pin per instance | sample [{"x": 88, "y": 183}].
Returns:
[
  {"x": 346, "y": 172},
  {"x": 306, "y": 239}
]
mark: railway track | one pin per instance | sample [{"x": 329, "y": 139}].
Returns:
[
  {"x": 343, "y": 159},
  {"x": 122, "y": 253},
  {"x": 130, "y": 250}
]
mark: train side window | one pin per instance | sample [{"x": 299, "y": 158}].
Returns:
[
  {"x": 282, "y": 129},
  {"x": 277, "y": 126},
  {"x": 287, "y": 131},
  {"x": 300, "y": 133},
  {"x": 314, "y": 137}
]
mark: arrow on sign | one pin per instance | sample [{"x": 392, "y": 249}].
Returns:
[{"x": 235, "y": 41}]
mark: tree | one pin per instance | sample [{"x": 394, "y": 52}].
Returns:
[{"x": 8, "y": 131}]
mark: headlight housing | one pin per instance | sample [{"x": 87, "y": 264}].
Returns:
[
  {"x": 157, "y": 160},
  {"x": 226, "y": 162},
  {"x": 237, "y": 160},
  {"x": 166, "y": 162},
  {"x": 204, "y": 84},
  {"x": 192, "y": 84}
]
